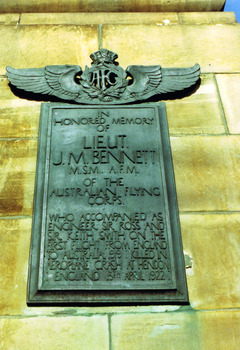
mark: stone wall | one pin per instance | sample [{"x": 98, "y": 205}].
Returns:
[
  {"x": 205, "y": 140},
  {"x": 109, "y": 5}
]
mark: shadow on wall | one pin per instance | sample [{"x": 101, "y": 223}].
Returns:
[{"x": 233, "y": 5}]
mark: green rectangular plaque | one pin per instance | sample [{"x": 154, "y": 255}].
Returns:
[{"x": 105, "y": 225}]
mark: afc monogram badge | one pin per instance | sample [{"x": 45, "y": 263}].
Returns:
[{"x": 105, "y": 82}]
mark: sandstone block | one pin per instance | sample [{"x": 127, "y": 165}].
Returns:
[
  {"x": 9, "y": 18},
  {"x": 176, "y": 46},
  {"x": 18, "y": 164},
  {"x": 220, "y": 330},
  {"x": 155, "y": 331},
  {"x": 212, "y": 242},
  {"x": 19, "y": 118},
  {"x": 229, "y": 91},
  {"x": 199, "y": 113},
  {"x": 166, "y": 18},
  {"x": 207, "y": 17},
  {"x": 38, "y": 46},
  {"x": 108, "y": 5},
  {"x": 65, "y": 333},
  {"x": 207, "y": 172},
  {"x": 15, "y": 242}
]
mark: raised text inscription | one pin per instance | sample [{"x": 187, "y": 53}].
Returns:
[{"x": 105, "y": 216}]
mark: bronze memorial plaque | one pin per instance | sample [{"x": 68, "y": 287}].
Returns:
[
  {"x": 105, "y": 222},
  {"x": 105, "y": 225}
]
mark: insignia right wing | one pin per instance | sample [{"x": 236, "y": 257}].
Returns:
[
  {"x": 155, "y": 80},
  {"x": 177, "y": 79},
  {"x": 58, "y": 80}
]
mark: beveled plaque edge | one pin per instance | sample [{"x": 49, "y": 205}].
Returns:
[
  {"x": 37, "y": 297},
  {"x": 173, "y": 204},
  {"x": 34, "y": 257}
]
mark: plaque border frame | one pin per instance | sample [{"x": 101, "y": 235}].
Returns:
[{"x": 36, "y": 296}]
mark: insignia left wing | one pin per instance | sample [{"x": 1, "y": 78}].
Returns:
[{"x": 51, "y": 80}]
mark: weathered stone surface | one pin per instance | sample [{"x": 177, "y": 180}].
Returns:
[
  {"x": 220, "y": 330},
  {"x": 18, "y": 117},
  {"x": 207, "y": 172},
  {"x": 90, "y": 311},
  {"x": 166, "y": 18},
  {"x": 178, "y": 46},
  {"x": 51, "y": 45},
  {"x": 212, "y": 243},
  {"x": 199, "y": 113},
  {"x": 229, "y": 91},
  {"x": 19, "y": 121},
  {"x": 54, "y": 333},
  {"x": 155, "y": 331},
  {"x": 17, "y": 174},
  {"x": 108, "y": 5},
  {"x": 14, "y": 242},
  {"x": 207, "y": 17}
]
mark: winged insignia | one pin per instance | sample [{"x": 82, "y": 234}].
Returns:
[{"x": 105, "y": 81}]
